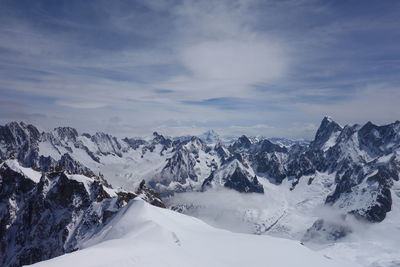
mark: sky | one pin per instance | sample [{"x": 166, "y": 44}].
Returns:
[{"x": 255, "y": 67}]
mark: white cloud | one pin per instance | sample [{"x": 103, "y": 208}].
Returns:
[
  {"x": 80, "y": 104},
  {"x": 237, "y": 61},
  {"x": 224, "y": 52}
]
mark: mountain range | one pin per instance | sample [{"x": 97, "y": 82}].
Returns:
[{"x": 59, "y": 188}]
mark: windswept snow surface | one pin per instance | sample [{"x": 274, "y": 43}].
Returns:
[{"x": 144, "y": 235}]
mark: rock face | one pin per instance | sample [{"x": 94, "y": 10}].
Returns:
[
  {"x": 149, "y": 195},
  {"x": 20, "y": 141},
  {"x": 44, "y": 215},
  {"x": 234, "y": 175},
  {"x": 240, "y": 182},
  {"x": 326, "y": 134}
]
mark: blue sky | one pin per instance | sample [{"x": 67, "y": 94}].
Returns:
[{"x": 272, "y": 68}]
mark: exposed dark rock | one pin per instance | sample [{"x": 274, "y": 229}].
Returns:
[
  {"x": 240, "y": 182},
  {"x": 149, "y": 195},
  {"x": 242, "y": 143},
  {"x": 324, "y": 132},
  {"x": 107, "y": 144},
  {"x": 379, "y": 140},
  {"x": 72, "y": 166},
  {"x": 134, "y": 143},
  {"x": 66, "y": 133},
  {"x": 269, "y": 147},
  {"x": 20, "y": 141}
]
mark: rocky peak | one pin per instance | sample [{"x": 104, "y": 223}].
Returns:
[
  {"x": 347, "y": 132},
  {"x": 67, "y": 134},
  {"x": 67, "y": 163},
  {"x": 87, "y": 135},
  {"x": 222, "y": 151},
  {"x": 18, "y": 133},
  {"x": 244, "y": 140},
  {"x": 100, "y": 137},
  {"x": 235, "y": 176},
  {"x": 134, "y": 143},
  {"x": 325, "y": 132},
  {"x": 107, "y": 144},
  {"x": 240, "y": 181},
  {"x": 242, "y": 143},
  {"x": 268, "y": 146},
  {"x": 160, "y": 139},
  {"x": 20, "y": 141},
  {"x": 196, "y": 143},
  {"x": 157, "y": 136},
  {"x": 379, "y": 140}
]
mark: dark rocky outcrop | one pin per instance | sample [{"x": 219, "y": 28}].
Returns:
[
  {"x": 149, "y": 195},
  {"x": 241, "y": 183}
]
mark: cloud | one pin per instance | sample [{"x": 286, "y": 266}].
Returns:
[
  {"x": 226, "y": 208},
  {"x": 227, "y": 103},
  {"x": 237, "y": 61},
  {"x": 163, "y": 91},
  {"x": 81, "y": 105},
  {"x": 22, "y": 115}
]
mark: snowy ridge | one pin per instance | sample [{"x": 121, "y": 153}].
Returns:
[
  {"x": 27, "y": 172},
  {"x": 139, "y": 230}
]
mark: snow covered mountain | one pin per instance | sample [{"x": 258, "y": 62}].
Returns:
[
  {"x": 363, "y": 160},
  {"x": 210, "y": 137},
  {"x": 351, "y": 171},
  {"x": 142, "y": 235},
  {"x": 288, "y": 142}
]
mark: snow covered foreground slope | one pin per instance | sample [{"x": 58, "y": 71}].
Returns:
[{"x": 144, "y": 235}]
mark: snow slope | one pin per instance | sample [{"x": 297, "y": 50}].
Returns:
[{"x": 143, "y": 235}]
